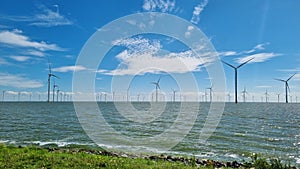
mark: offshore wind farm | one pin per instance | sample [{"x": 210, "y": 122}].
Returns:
[{"x": 207, "y": 79}]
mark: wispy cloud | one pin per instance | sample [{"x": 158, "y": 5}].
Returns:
[
  {"x": 16, "y": 38},
  {"x": 255, "y": 49},
  {"x": 197, "y": 11},
  {"x": 69, "y": 68},
  {"x": 260, "y": 57},
  {"x": 50, "y": 18},
  {"x": 36, "y": 53},
  {"x": 46, "y": 18},
  {"x": 18, "y": 81},
  {"x": 20, "y": 58},
  {"x": 143, "y": 56},
  {"x": 159, "y": 5}
]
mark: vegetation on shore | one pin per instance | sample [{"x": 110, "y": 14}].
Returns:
[{"x": 37, "y": 157}]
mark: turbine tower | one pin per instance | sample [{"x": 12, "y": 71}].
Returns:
[
  {"x": 235, "y": 74},
  {"x": 50, "y": 74},
  {"x": 278, "y": 96},
  {"x": 266, "y": 94},
  {"x": 174, "y": 94},
  {"x": 210, "y": 92},
  {"x": 53, "y": 92},
  {"x": 156, "y": 88},
  {"x": 286, "y": 86},
  {"x": 244, "y": 92}
]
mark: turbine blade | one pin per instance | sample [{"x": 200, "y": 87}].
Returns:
[
  {"x": 280, "y": 80},
  {"x": 159, "y": 79},
  {"x": 228, "y": 64},
  {"x": 291, "y": 77},
  {"x": 55, "y": 76},
  {"x": 245, "y": 63}
]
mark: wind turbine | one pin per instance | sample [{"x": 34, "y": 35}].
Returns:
[
  {"x": 156, "y": 88},
  {"x": 266, "y": 94},
  {"x": 229, "y": 96},
  {"x": 57, "y": 94},
  {"x": 278, "y": 95},
  {"x": 244, "y": 92},
  {"x": 174, "y": 94},
  {"x": 50, "y": 74},
  {"x": 3, "y": 93},
  {"x": 210, "y": 92},
  {"x": 286, "y": 86},
  {"x": 53, "y": 92},
  {"x": 127, "y": 94},
  {"x": 235, "y": 73}
]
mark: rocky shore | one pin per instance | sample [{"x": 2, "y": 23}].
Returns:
[{"x": 188, "y": 161}]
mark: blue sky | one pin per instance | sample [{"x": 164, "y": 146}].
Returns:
[{"x": 31, "y": 32}]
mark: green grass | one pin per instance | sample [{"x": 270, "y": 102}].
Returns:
[
  {"x": 38, "y": 157},
  {"x": 35, "y": 157}
]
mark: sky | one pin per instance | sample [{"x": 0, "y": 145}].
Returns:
[{"x": 36, "y": 34}]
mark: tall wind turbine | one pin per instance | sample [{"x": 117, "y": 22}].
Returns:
[
  {"x": 50, "y": 74},
  {"x": 156, "y": 88},
  {"x": 235, "y": 74},
  {"x": 286, "y": 86},
  {"x": 174, "y": 94}
]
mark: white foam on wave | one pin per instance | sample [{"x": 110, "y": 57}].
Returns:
[
  {"x": 235, "y": 156},
  {"x": 58, "y": 143},
  {"x": 297, "y": 160}
]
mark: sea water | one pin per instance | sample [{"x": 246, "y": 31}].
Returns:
[{"x": 269, "y": 129}]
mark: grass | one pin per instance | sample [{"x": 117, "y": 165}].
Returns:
[{"x": 37, "y": 157}]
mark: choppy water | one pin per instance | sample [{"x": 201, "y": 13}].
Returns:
[{"x": 265, "y": 128}]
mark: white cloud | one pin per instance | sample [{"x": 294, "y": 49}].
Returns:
[
  {"x": 143, "y": 56},
  {"x": 189, "y": 31},
  {"x": 69, "y": 68},
  {"x": 18, "y": 81},
  {"x": 16, "y": 38},
  {"x": 159, "y": 5},
  {"x": 20, "y": 58},
  {"x": 228, "y": 53},
  {"x": 259, "y": 57},
  {"x": 258, "y": 47},
  {"x": 197, "y": 11},
  {"x": 50, "y": 18},
  {"x": 36, "y": 53}
]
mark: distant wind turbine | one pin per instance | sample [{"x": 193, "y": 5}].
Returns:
[
  {"x": 229, "y": 96},
  {"x": 267, "y": 95},
  {"x": 156, "y": 88},
  {"x": 286, "y": 86},
  {"x": 3, "y": 93},
  {"x": 235, "y": 73},
  {"x": 278, "y": 95},
  {"x": 53, "y": 92},
  {"x": 210, "y": 92},
  {"x": 174, "y": 94},
  {"x": 50, "y": 74},
  {"x": 244, "y": 92}
]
